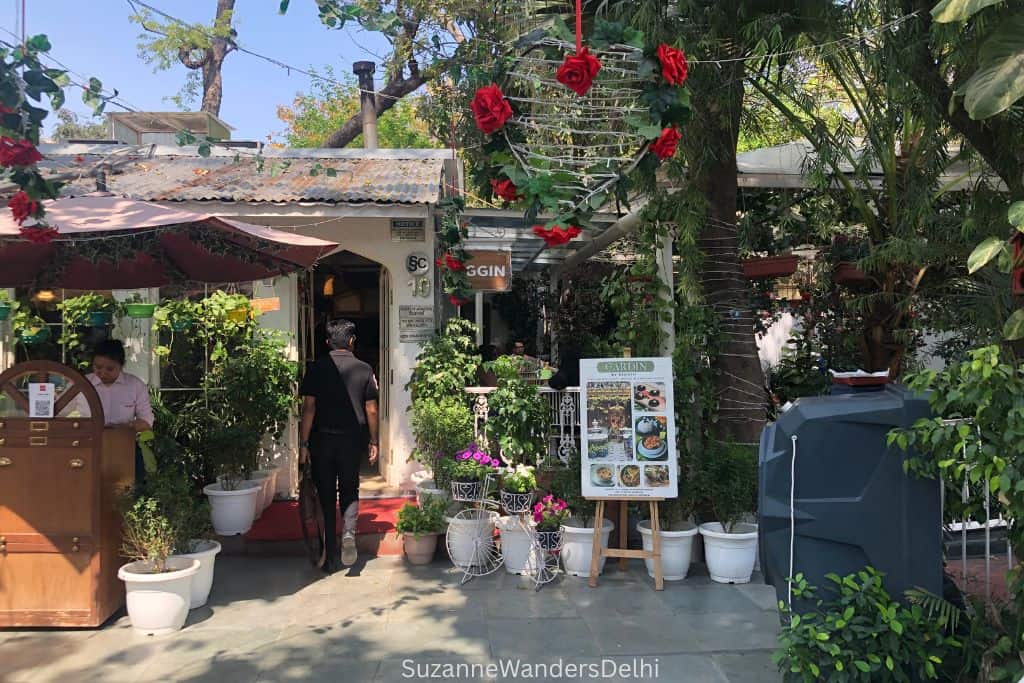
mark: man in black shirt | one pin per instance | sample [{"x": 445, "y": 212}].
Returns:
[{"x": 339, "y": 415}]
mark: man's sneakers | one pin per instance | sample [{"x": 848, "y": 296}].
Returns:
[{"x": 348, "y": 549}]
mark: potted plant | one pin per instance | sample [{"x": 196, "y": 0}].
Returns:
[
  {"x": 420, "y": 526},
  {"x": 188, "y": 513},
  {"x": 159, "y": 587},
  {"x": 87, "y": 310},
  {"x": 28, "y": 328},
  {"x": 549, "y": 515},
  {"x": 137, "y": 308},
  {"x": 578, "y": 530},
  {"x": 770, "y": 266},
  {"x": 470, "y": 469},
  {"x": 440, "y": 428},
  {"x": 675, "y": 535},
  {"x": 517, "y": 488},
  {"x": 728, "y": 478},
  {"x": 5, "y": 305},
  {"x": 232, "y": 498}
]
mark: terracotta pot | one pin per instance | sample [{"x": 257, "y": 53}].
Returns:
[
  {"x": 420, "y": 550},
  {"x": 847, "y": 273},
  {"x": 771, "y": 266}
]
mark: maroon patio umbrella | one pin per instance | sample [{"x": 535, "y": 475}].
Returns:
[{"x": 108, "y": 242}]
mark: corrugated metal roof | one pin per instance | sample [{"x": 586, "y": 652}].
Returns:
[{"x": 220, "y": 178}]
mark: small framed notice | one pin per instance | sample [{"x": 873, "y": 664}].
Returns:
[
  {"x": 408, "y": 230},
  {"x": 41, "y": 399},
  {"x": 629, "y": 430}
]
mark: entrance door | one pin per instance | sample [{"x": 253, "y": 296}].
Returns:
[{"x": 386, "y": 376}]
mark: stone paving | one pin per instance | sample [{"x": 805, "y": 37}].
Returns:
[{"x": 275, "y": 619}]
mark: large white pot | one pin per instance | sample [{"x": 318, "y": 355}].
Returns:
[
  {"x": 270, "y": 486},
  {"x": 232, "y": 512},
  {"x": 158, "y": 602},
  {"x": 730, "y": 557},
  {"x": 516, "y": 544},
  {"x": 461, "y": 535},
  {"x": 676, "y": 550},
  {"x": 578, "y": 546},
  {"x": 421, "y": 476},
  {"x": 263, "y": 478},
  {"x": 427, "y": 488},
  {"x": 206, "y": 552}
]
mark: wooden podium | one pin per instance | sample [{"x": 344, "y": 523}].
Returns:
[{"x": 60, "y": 531}]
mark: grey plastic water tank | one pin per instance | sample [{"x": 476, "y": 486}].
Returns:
[{"x": 854, "y": 505}]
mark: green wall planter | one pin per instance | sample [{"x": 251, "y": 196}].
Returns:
[
  {"x": 35, "y": 335},
  {"x": 100, "y": 318},
  {"x": 139, "y": 310},
  {"x": 5, "y": 311}
]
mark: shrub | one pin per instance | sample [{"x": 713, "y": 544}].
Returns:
[
  {"x": 727, "y": 478},
  {"x": 447, "y": 363},
  {"x": 177, "y": 500},
  {"x": 518, "y": 419},
  {"x": 440, "y": 428},
  {"x": 519, "y": 479},
  {"x": 427, "y": 518},
  {"x": 147, "y": 533},
  {"x": 859, "y": 633}
]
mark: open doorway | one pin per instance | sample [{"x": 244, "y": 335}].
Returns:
[{"x": 346, "y": 285}]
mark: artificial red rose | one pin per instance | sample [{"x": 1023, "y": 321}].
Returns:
[
  {"x": 22, "y": 206},
  {"x": 665, "y": 146},
  {"x": 18, "y": 153},
  {"x": 556, "y": 236},
  {"x": 457, "y": 300},
  {"x": 578, "y": 71},
  {"x": 490, "y": 109},
  {"x": 4, "y": 109},
  {"x": 505, "y": 189},
  {"x": 674, "y": 68},
  {"x": 452, "y": 263},
  {"x": 39, "y": 235}
]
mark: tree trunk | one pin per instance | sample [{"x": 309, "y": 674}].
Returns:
[
  {"x": 213, "y": 90},
  {"x": 739, "y": 384},
  {"x": 385, "y": 100}
]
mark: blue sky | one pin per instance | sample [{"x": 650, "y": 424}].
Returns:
[{"x": 95, "y": 38}]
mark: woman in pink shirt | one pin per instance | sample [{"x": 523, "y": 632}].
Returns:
[{"x": 124, "y": 396}]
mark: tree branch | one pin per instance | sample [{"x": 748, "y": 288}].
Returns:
[
  {"x": 186, "y": 58},
  {"x": 386, "y": 98}
]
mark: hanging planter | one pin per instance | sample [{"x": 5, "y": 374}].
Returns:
[
  {"x": 238, "y": 315},
  {"x": 139, "y": 311},
  {"x": 5, "y": 311},
  {"x": 100, "y": 318},
  {"x": 771, "y": 266},
  {"x": 32, "y": 336},
  {"x": 181, "y": 324},
  {"x": 847, "y": 273}
]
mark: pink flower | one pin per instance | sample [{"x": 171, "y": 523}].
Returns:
[{"x": 476, "y": 456}]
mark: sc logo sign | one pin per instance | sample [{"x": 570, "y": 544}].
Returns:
[{"x": 417, "y": 263}]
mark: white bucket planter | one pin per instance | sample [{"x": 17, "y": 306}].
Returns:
[
  {"x": 421, "y": 476},
  {"x": 676, "y": 550},
  {"x": 206, "y": 552},
  {"x": 232, "y": 512},
  {"x": 461, "y": 534},
  {"x": 730, "y": 557},
  {"x": 427, "y": 488},
  {"x": 158, "y": 602},
  {"x": 578, "y": 546},
  {"x": 516, "y": 544},
  {"x": 262, "y": 478},
  {"x": 269, "y": 486}
]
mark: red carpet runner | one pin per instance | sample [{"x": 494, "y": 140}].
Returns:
[{"x": 280, "y": 522}]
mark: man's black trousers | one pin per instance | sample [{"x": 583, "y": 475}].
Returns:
[{"x": 336, "y": 459}]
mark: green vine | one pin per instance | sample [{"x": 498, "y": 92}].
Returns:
[{"x": 453, "y": 256}]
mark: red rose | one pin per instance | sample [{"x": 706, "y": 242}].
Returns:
[
  {"x": 556, "y": 236},
  {"x": 505, "y": 189},
  {"x": 453, "y": 263},
  {"x": 39, "y": 235},
  {"x": 577, "y": 72},
  {"x": 20, "y": 153},
  {"x": 665, "y": 146},
  {"x": 457, "y": 300},
  {"x": 674, "y": 68},
  {"x": 4, "y": 109},
  {"x": 22, "y": 206},
  {"x": 490, "y": 109}
]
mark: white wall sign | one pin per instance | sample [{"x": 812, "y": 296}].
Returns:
[
  {"x": 408, "y": 230},
  {"x": 415, "y": 323},
  {"x": 628, "y": 428},
  {"x": 40, "y": 399}
]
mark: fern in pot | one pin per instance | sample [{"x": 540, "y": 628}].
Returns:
[
  {"x": 728, "y": 478},
  {"x": 420, "y": 526},
  {"x": 158, "y": 585}
]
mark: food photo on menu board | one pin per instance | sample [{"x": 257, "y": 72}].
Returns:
[{"x": 628, "y": 442}]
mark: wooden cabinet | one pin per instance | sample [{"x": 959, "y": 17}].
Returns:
[{"x": 60, "y": 531}]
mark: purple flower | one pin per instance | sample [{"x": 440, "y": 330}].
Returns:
[{"x": 476, "y": 456}]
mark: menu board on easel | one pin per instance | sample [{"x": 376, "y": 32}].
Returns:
[{"x": 628, "y": 428}]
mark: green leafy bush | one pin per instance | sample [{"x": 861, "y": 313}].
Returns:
[
  {"x": 427, "y": 518},
  {"x": 447, "y": 363},
  {"x": 178, "y": 501},
  {"x": 440, "y": 428},
  {"x": 726, "y": 477},
  {"x": 519, "y": 479},
  {"x": 859, "y": 633},
  {"x": 147, "y": 533},
  {"x": 517, "y": 423}
]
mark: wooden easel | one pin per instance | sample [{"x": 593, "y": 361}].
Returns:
[{"x": 622, "y": 552}]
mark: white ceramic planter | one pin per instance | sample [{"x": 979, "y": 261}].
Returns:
[
  {"x": 232, "y": 512},
  {"x": 262, "y": 478},
  {"x": 269, "y": 486},
  {"x": 421, "y": 476},
  {"x": 420, "y": 550},
  {"x": 206, "y": 552},
  {"x": 578, "y": 546},
  {"x": 516, "y": 544},
  {"x": 676, "y": 550},
  {"x": 158, "y": 603},
  {"x": 730, "y": 557},
  {"x": 461, "y": 535}
]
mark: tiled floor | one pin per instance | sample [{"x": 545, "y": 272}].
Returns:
[{"x": 275, "y": 619}]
